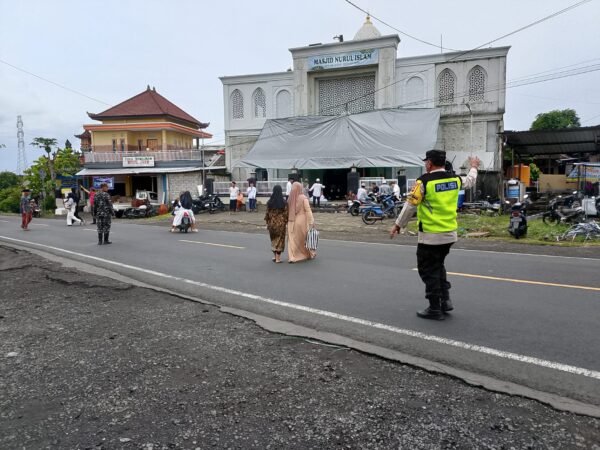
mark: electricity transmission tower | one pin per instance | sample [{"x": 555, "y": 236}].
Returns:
[{"x": 21, "y": 157}]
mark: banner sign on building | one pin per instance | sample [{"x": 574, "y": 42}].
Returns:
[
  {"x": 138, "y": 161},
  {"x": 341, "y": 60},
  {"x": 585, "y": 172},
  {"x": 97, "y": 181}
]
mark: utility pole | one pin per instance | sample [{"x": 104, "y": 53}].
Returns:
[{"x": 21, "y": 157}]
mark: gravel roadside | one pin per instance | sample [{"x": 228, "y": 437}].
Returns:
[{"x": 91, "y": 363}]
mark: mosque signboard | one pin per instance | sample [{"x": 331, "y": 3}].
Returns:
[{"x": 341, "y": 60}]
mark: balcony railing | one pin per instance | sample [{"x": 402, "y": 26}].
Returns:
[{"x": 209, "y": 156}]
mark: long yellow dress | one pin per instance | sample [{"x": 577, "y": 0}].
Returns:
[{"x": 297, "y": 232}]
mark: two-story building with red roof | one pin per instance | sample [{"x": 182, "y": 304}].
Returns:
[{"x": 147, "y": 142}]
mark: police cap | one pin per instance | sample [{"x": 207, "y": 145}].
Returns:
[{"x": 435, "y": 154}]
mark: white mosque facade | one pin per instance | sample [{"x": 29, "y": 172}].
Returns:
[{"x": 366, "y": 74}]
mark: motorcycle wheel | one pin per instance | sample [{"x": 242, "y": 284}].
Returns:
[
  {"x": 551, "y": 220},
  {"x": 354, "y": 211},
  {"x": 212, "y": 210},
  {"x": 369, "y": 217}
]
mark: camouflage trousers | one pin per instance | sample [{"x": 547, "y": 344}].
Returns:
[{"x": 103, "y": 223}]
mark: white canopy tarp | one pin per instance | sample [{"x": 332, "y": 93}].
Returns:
[{"x": 382, "y": 138}]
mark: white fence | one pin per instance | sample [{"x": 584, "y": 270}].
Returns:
[{"x": 262, "y": 187}]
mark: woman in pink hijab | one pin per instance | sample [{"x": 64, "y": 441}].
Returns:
[{"x": 300, "y": 219}]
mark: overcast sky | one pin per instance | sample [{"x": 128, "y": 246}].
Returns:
[{"x": 110, "y": 50}]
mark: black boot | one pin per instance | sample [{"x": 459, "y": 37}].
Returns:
[
  {"x": 434, "y": 312},
  {"x": 99, "y": 238},
  {"x": 106, "y": 241},
  {"x": 447, "y": 305}
]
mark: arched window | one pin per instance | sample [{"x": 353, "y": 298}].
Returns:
[
  {"x": 260, "y": 103},
  {"x": 414, "y": 93},
  {"x": 476, "y": 84},
  {"x": 283, "y": 103},
  {"x": 237, "y": 105},
  {"x": 446, "y": 82}
]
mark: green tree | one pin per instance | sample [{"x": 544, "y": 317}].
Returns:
[
  {"x": 47, "y": 144},
  {"x": 9, "y": 179},
  {"x": 65, "y": 162},
  {"x": 556, "y": 120}
]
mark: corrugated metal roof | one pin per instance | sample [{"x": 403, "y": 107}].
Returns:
[{"x": 554, "y": 142}]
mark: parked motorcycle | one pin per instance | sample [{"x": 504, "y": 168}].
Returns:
[
  {"x": 355, "y": 205},
  {"x": 387, "y": 208},
  {"x": 140, "y": 212},
  {"x": 518, "y": 219},
  {"x": 202, "y": 203},
  {"x": 564, "y": 209}
]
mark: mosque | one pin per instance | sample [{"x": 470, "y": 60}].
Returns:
[{"x": 354, "y": 105}]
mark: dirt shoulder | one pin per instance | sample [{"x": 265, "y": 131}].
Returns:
[{"x": 88, "y": 362}]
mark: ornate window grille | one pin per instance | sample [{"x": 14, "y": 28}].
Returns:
[
  {"x": 351, "y": 95},
  {"x": 446, "y": 83},
  {"x": 476, "y": 84},
  {"x": 260, "y": 103},
  {"x": 237, "y": 104}
]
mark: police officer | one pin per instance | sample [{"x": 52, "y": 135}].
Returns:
[{"x": 435, "y": 197}]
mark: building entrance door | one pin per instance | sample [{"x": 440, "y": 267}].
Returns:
[{"x": 152, "y": 144}]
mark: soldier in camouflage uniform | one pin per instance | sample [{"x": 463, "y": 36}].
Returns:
[{"x": 104, "y": 212}]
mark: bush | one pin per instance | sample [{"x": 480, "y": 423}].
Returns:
[{"x": 10, "y": 199}]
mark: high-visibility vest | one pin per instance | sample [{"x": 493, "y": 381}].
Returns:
[{"x": 437, "y": 211}]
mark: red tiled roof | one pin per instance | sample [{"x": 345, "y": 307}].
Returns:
[
  {"x": 85, "y": 134},
  {"x": 147, "y": 104}
]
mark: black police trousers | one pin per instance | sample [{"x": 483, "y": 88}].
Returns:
[{"x": 430, "y": 263}]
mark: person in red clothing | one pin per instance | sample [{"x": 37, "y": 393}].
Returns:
[
  {"x": 25, "y": 208},
  {"x": 91, "y": 193}
]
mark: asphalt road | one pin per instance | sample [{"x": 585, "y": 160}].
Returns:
[{"x": 521, "y": 318}]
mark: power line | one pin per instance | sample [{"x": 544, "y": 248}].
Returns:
[
  {"x": 461, "y": 54},
  {"x": 396, "y": 29},
  {"x": 53, "y": 82}
]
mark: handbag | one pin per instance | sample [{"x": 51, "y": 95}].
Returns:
[{"x": 312, "y": 239}]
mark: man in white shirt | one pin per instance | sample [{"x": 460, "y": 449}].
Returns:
[
  {"x": 361, "y": 195},
  {"x": 396, "y": 190},
  {"x": 288, "y": 187},
  {"x": 435, "y": 197},
  {"x": 251, "y": 192},
  {"x": 317, "y": 191},
  {"x": 233, "y": 193}
]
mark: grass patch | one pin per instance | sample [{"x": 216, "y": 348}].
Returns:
[{"x": 497, "y": 227}]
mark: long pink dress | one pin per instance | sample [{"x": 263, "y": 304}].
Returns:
[{"x": 297, "y": 231}]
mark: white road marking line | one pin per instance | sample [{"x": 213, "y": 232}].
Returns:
[
  {"x": 411, "y": 333},
  {"x": 5, "y": 221},
  {"x": 211, "y": 243},
  {"x": 40, "y": 225},
  {"x": 518, "y": 280}
]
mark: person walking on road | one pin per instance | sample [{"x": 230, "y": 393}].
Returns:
[
  {"x": 277, "y": 218},
  {"x": 233, "y": 194},
  {"x": 91, "y": 193},
  {"x": 76, "y": 197},
  {"x": 300, "y": 219},
  {"x": 26, "y": 210},
  {"x": 104, "y": 213},
  {"x": 71, "y": 207},
  {"x": 317, "y": 191},
  {"x": 435, "y": 197}
]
